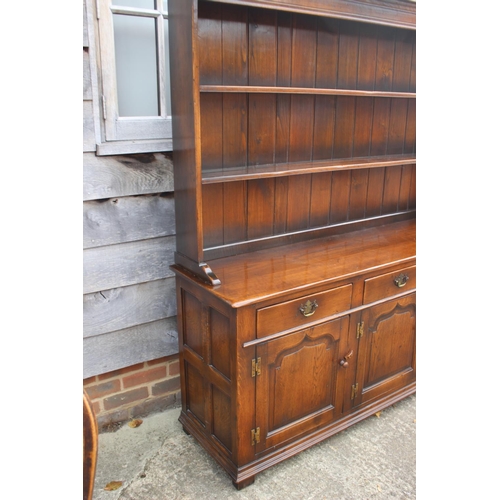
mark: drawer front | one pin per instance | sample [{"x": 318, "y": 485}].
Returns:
[
  {"x": 302, "y": 311},
  {"x": 389, "y": 284}
]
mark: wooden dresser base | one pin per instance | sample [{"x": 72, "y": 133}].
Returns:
[{"x": 245, "y": 475}]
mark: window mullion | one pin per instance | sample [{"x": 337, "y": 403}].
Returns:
[{"x": 160, "y": 22}]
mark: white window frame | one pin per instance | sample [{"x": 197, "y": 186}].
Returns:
[{"x": 131, "y": 134}]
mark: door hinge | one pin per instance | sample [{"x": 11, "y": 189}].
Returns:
[
  {"x": 354, "y": 391},
  {"x": 255, "y": 367},
  {"x": 360, "y": 330},
  {"x": 255, "y": 436}
]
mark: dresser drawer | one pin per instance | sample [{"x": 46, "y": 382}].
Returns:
[
  {"x": 299, "y": 312},
  {"x": 387, "y": 285}
]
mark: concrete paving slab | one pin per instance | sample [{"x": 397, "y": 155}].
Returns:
[{"x": 374, "y": 459}]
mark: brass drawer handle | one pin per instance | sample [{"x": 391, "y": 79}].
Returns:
[
  {"x": 309, "y": 308},
  {"x": 401, "y": 280}
]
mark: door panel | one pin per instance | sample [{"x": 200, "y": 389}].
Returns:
[
  {"x": 386, "y": 359},
  {"x": 301, "y": 382}
]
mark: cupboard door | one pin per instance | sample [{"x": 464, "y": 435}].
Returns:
[
  {"x": 386, "y": 356},
  {"x": 301, "y": 382}
]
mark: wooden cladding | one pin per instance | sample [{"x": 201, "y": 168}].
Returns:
[{"x": 260, "y": 208}]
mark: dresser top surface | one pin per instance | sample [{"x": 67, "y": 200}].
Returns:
[{"x": 256, "y": 276}]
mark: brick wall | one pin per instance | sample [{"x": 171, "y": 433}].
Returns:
[{"x": 134, "y": 391}]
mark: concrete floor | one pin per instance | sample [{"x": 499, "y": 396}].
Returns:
[{"x": 374, "y": 459}]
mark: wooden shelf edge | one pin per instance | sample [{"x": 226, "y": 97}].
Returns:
[
  {"x": 213, "y": 176},
  {"x": 261, "y": 89}
]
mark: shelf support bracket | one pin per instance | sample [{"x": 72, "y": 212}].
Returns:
[{"x": 212, "y": 278}]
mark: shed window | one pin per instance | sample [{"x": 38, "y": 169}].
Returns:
[{"x": 136, "y": 107}]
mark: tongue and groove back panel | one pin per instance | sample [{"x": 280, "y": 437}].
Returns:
[{"x": 247, "y": 46}]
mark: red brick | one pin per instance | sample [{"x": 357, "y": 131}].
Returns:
[
  {"x": 103, "y": 389},
  {"x": 125, "y": 398},
  {"x": 90, "y": 380},
  {"x": 145, "y": 376},
  {"x": 166, "y": 386},
  {"x": 173, "y": 368},
  {"x": 121, "y": 371}
]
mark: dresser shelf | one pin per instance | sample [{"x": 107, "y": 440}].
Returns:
[
  {"x": 211, "y": 176},
  {"x": 260, "y": 89}
]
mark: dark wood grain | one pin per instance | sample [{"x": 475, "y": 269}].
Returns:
[
  {"x": 317, "y": 394},
  {"x": 296, "y": 176},
  {"x": 263, "y": 50},
  {"x": 397, "y": 127},
  {"x": 410, "y": 136},
  {"x": 213, "y": 215},
  {"x": 266, "y": 89},
  {"x": 326, "y": 77},
  {"x": 299, "y": 199},
  {"x": 403, "y": 64},
  {"x": 185, "y": 126},
  {"x": 339, "y": 203},
  {"x": 374, "y": 11},
  {"x": 348, "y": 56},
  {"x": 392, "y": 183},
  {"x": 317, "y": 261},
  {"x": 261, "y": 200},
  {"x": 210, "y": 51},
  {"x": 405, "y": 187},
  {"x": 358, "y": 193},
  {"x": 211, "y": 130},
  {"x": 298, "y": 168},
  {"x": 321, "y": 185},
  {"x": 373, "y": 195},
  {"x": 387, "y": 351},
  {"x": 235, "y": 212}
]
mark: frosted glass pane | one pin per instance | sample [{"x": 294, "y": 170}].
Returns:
[
  {"x": 142, "y": 4},
  {"x": 167, "y": 69},
  {"x": 136, "y": 69}
]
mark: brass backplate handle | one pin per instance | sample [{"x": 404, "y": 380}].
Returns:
[
  {"x": 401, "y": 280},
  {"x": 309, "y": 308}
]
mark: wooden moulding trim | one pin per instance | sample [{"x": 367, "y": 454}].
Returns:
[
  {"x": 261, "y": 89},
  {"x": 298, "y": 236},
  {"x": 373, "y": 13},
  {"x": 214, "y": 176},
  {"x": 328, "y": 318}
]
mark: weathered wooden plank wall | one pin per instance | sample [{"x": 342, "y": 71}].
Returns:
[{"x": 129, "y": 307}]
